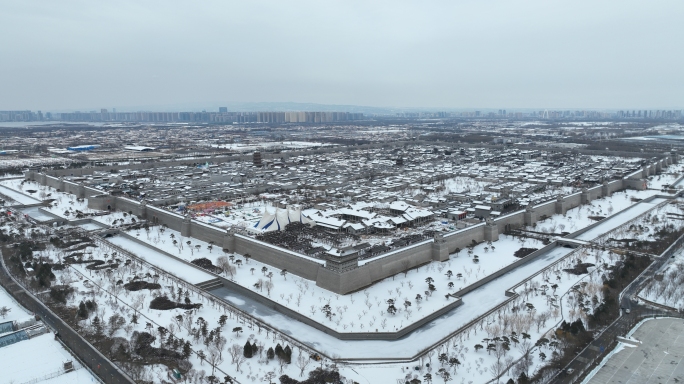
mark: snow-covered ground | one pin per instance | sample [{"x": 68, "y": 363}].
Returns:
[
  {"x": 620, "y": 218},
  {"x": 644, "y": 227},
  {"x": 475, "y": 365},
  {"x": 37, "y": 357},
  {"x": 32, "y": 162},
  {"x": 21, "y": 198},
  {"x": 303, "y": 296},
  {"x": 669, "y": 176},
  {"x": 669, "y": 291},
  {"x": 247, "y": 215},
  {"x": 578, "y": 218},
  {"x": 461, "y": 184},
  {"x": 475, "y": 303},
  {"x": 152, "y": 256},
  {"x": 64, "y": 205}
]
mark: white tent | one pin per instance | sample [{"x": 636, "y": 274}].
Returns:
[
  {"x": 266, "y": 221},
  {"x": 278, "y": 220}
]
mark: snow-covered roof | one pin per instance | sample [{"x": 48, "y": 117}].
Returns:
[{"x": 138, "y": 148}]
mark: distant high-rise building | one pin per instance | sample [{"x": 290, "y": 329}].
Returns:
[{"x": 223, "y": 109}]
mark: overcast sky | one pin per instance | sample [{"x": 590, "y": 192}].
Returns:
[{"x": 71, "y": 54}]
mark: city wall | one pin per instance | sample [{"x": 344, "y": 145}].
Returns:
[
  {"x": 368, "y": 272},
  {"x": 377, "y": 335}
]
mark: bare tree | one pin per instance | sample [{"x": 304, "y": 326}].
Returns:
[
  {"x": 238, "y": 362},
  {"x": 430, "y": 354},
  {"x": 302, "y": 362},
  {"x": 269, "y": 376},
  {"x": 235, "y": 351},
  {"x": 497, "y": 368},
  {"x": 214, "y": 358},
  {"x": 525, "y": 346},
  {"x": 223, "y": 263},
  {"x": 220, "y": 343},
  {"x": 540, "y": 320}
]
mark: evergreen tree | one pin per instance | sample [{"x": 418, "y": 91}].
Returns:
[
  {"x": 270, "y": 353},
  {"x": 82, "y": 311},
  {"x": 255, "y": 349},
  {"x": 279, "y": 351},
  {"x": 97, "y": 325},
  {"x": 186, "y": 350},
  {"x": 287, "y": 354},
  {"x": 247, "y": 350}
]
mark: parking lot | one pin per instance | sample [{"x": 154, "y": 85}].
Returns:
[{"x": 658, "y": 359}]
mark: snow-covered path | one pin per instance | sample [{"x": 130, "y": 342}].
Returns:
[
  {"x": 475, "y": 303},
  {"x": 17, "y": 196},
  {"x": 619, "y": 219},
  {"x": 37, "y": 214},
  {"x": 169, "y": 264}
]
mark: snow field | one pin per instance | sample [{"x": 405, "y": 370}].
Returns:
[
  {"x": 114, "y": 299},
  {"x": 40, "y": 357},
  {"x": 549, "y": 311},
  {"x": 478, "y": 366},
  {"x": 669, "y": 291},
  {"x": 20, "y": 362},
  {"x": 65, "y": 204},
  {"x": 642, "y": 227},
  {"x": 20, "y": 198},
  {"x": 369, "y": 308},
  {"x": 475, "y": 366},
  {"x": 578, "y": 217},
  {"x": 152, "y": 256}
]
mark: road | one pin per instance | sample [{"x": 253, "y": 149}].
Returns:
[
  {"x": 605, "y": 342},
  {"x": 88, "y": 355}
]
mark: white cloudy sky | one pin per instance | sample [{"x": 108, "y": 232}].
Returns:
[{"x": 69, "y": 54}]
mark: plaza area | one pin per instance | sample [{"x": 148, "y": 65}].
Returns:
[{"x": 658, "y": 359}]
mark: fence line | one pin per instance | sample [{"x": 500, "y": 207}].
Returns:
[{"x": 50, "y": 376}]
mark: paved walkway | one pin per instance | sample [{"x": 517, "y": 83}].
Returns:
[{"x": 659, "y": 359}]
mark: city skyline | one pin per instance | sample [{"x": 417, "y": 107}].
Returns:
[{"x": 226, "y": 116}]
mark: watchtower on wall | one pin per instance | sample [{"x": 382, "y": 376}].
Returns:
[
  {"x": 491, "y": 230},
  {"x": 585, "y": 196},
  {"x": 530, "y": 215},
  {"x": 342, "y": 260}
]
